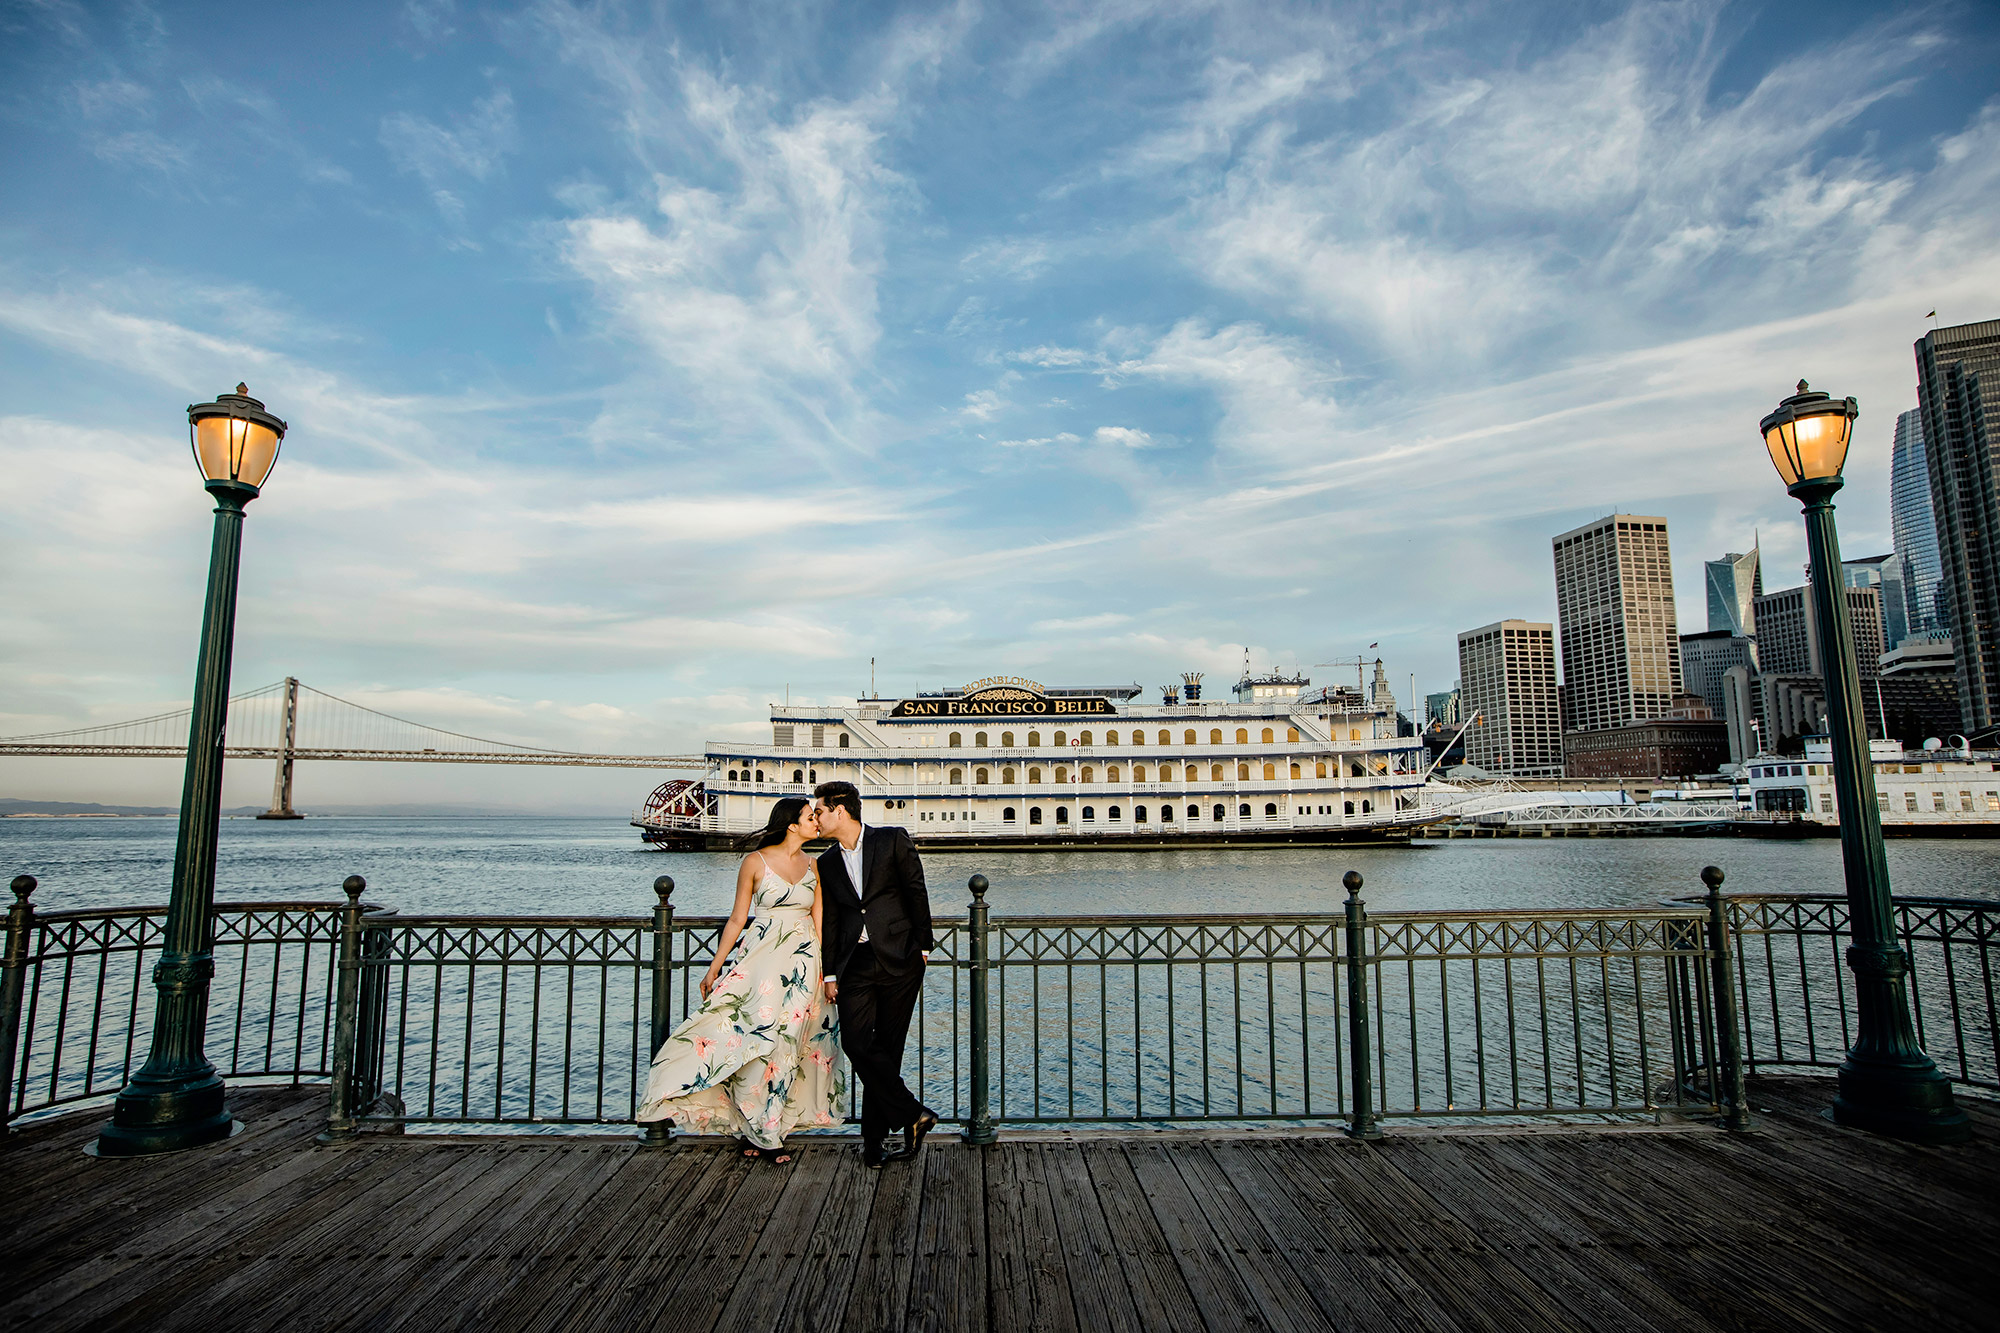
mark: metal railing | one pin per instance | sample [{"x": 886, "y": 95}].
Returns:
[
  {"x": 1351, "y": 1017},
  {"x": 1797, "y": 993},
  {"x": 76, "y": 999}
]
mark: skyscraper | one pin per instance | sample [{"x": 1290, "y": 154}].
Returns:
[
  {"x": 1734, "y": 583},
  {"x": 1615, "y": 603},
  {"x": 1788, "y": 637},
  {"x": 1507, "y": 675},
  {"x": 1955, "y": 368},
  {"x": 1914, "y": 530}
]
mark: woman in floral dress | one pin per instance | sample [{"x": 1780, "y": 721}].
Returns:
[{"x": 762, "y": 1055}]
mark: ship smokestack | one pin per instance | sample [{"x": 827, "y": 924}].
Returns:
[{"x": 1193, "y": 679}]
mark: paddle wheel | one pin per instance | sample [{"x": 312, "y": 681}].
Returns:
[{"x": 676, "y": 813}]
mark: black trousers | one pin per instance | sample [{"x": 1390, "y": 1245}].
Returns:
[{"x": 875, "y": 1008}]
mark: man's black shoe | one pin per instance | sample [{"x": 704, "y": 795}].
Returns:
[
  {"x": 874, "y": 1152},
  {"x": 913, "y": 1137}
]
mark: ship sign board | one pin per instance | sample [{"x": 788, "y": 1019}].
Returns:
[{"x": 1004, "y": 697}]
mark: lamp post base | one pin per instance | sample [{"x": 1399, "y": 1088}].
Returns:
[
  {"x": 166, "y": 1115},
  {"x": 1900, "y": 1101}
]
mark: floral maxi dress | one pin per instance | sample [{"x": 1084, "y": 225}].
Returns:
[{"x": 762, "y": 1055}]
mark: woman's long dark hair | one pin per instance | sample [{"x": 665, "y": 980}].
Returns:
[{"x": 784, "y": 814}]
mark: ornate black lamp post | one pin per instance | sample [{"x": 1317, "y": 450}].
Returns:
[
  {"x": 175, "y": 1100},
  {"x": 1887, "y": 1083}
]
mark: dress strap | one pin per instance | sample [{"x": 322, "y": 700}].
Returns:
[{"x": 767, "y": 865}]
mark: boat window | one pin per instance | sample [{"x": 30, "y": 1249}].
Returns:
[
  {"x": 1034, "y": 814},
  {"x": 1139, "y": 814},
  {"x": 1348, "y": 810},
  {"x": 1358, "y": 771},
  {"x": 1243, "y": 735},
  {"x": 1243, "y": 772},
  {"x": 1007, "y": 775},
  {"x": 1368, "y": 807},
  {"x": 1007, "y": 815},
  {"x": 1296, "y": 772},
  {"x": 1319, "y": 769},
  {"x": 1034, "y": 775},
  {"x": 1189, "y": 735},
  {"x": 1061, "y": 739},
  {"x": 1243, "y": 811},
  {"x": 1354, "y": 733},
  {"x": 798, "y": 775},
  {"x": 957, "y": 775},
  {"x": 1291, "y": 733},
  {"x": 1062, "y": 775},
  {"x": 1194, "y": 812},
  {"x": 980, "y": 775},
  {"x": 1034, "y": 740},
  {"x": 1271, "y": 772},
  {"x": 1111, "y": 773},
  {"x": 1062, "y": 814},
  {"x": 955, "y": 741},
  {"x": 760, "y": 775},
  {"x": 979, "y": 739},
  {"x": 1214, "y": 735},
  {"x": 732, "y": 775},
  {"x": 1166, "y": 737},
  {"x": 1218, "y": 814},
  {"x": 1138, "y": 772},
  {"x": 1086, "y": 774},
  {"x": 1007, "y": 738},
  {"x": 1089, "y": 813},
  {"x": 1270, "y": 810},
  {"x": 1113, "y": 813},
  {"x": 1193, "y": 773},
  {"x": 1083, "y": 738},
  {"x": 1215, "y": 772},
  {"x": 1267, "y": 735},
  {"x": 1166, "y": 813},
  {"x": 843, "y": 740}
]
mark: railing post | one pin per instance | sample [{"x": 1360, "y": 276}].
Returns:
[
  {"x": 1361, "y": 1123},
  {"x": 340, "y": 1126},
  {"x": 1729, "y": 1039},
  {"x": 371, "y": 1020},
  {"x": 13, "y": 984},
  {"x": 980, "y": 1128},
  {"x": 660, "y": 1133}
]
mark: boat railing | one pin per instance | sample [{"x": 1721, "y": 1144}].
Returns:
[{"x": 1351, "y": 1017}]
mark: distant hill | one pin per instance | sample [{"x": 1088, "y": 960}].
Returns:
[
  {"x": 442, "y": 810},
  {"x": 10, "y": 806}
]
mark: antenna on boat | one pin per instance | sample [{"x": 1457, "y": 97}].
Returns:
[{"x": 871, "y": 679}]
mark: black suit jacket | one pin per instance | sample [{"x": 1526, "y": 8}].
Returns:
[{"x": 891, "y": 901}]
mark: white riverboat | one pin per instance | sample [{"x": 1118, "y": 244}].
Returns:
[
  {"x": 1008, "y": 762},
  {"x": 1927, "y": 792}
]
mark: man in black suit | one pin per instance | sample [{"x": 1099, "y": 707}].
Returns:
[{"x": 876, "y": 935}]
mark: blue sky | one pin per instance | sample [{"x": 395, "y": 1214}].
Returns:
[{"x": 644, "y": 361}]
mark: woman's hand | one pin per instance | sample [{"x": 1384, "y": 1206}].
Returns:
[{"x": 707, "y": 982}]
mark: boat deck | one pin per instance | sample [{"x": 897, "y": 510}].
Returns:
[{"x": 1798, "y": 1225}]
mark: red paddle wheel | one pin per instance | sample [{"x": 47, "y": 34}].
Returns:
[{"x": 675, "y": 811}]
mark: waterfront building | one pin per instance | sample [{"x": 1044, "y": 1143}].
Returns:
[
  {"x": 1615, "y": 605},
  {"x": 1914, "y": 529},
  {"x": 1957, "y": 395},
  {"x": 1007, "y": 761},
  {"x": 1706, "y": 658},
  {"x": 1789, "y": 707},
  {"x": 1687, "y": 741},
  {"x": 1930, "y": 655},
  {"x": 1734, "y": 583},
  {"x": 1788, "y": 639},
  {"x": 1507, "y": 683},
  {"x": 1441, "y": 709},
  {"x": 1740, "y": 717},
  {"x": 1916, "y": 791},
  {"x": 1895, "y": 590}
]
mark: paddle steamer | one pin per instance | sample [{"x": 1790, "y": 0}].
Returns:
[{"x": 1009, "y": 762}]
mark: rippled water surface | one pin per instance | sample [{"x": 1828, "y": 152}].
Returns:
[{"x": 596, "y": 867}]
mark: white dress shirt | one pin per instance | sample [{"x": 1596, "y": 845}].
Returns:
[{"x": 851, "y": 858}]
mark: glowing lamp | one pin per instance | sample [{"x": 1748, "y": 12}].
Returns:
[
  {"x": 1808, "y": 436},
  {"x": 235, "y": 440}
]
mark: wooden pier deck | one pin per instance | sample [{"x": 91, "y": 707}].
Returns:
[{"x": 1800, "y": 1225}]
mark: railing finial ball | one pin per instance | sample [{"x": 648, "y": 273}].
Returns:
[
  {"x": 978, "y": 886},
  {"x": 1351, "y": 881},
  {"x": 1712, "y": 876},
  {"x": 353, "y": 886},
  {"x": 664, "y": 886},
  {"x": 23, "y": 885}
]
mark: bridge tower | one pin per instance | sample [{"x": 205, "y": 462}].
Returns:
[{"x": 281, "y": 790}]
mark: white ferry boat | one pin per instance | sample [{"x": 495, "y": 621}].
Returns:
[
  {"x": 1008, "y": 762},
  {"x": 1928, "y": 792}
]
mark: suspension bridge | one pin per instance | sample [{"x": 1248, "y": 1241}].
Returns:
[{"x": 291, "y": 721}]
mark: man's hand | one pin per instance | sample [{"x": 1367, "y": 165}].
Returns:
[{"x": 832, "y": 989}]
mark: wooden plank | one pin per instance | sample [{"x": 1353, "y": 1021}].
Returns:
[
  {"x": 948, "y": 1276},
  {"x": 469, "y": 1280},
  {"x": 559, "y": 1271},
  {"x": 879, "y": 1297},
  {"x": 1220, "y": 1296},
  {"x": 1265, "y": 1270},
  {"x": 817, "y": 1300},
  {"x": 1027, "y": 1267},
  {"x": 1153, "y": 1277},
  {"x": 1099, "y": 1294},
  {"x": 1545, "y": 1245},
  {"x": 1353, "y": 1289},
  {"x": 692, "y": 1289},
  {"x": 765, "y": 1283}
]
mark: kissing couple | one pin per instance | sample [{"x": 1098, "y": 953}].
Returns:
[{"x": 832, "y": 965}]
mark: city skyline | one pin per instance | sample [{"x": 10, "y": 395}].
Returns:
[{"x": 1081, "y": 345}]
